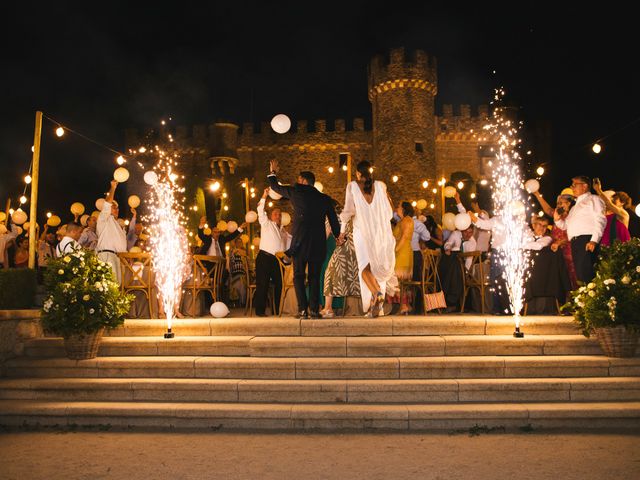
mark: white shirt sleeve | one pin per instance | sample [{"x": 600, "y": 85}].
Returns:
[
  {"x": 103, "y": 218},
  {"x": 262, "y": 215},
  {"x": 461, "y": 208},
  {"x": 484, "y": 224},
  {"x": 453, "y": 242},
  {"x": 421, "y": 230},
  {"x": 349, "y": 209}
]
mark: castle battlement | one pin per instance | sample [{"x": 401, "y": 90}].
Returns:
[{"x": 403, "y": 70}]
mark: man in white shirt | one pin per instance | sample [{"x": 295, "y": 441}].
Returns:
[
  {"x": 273, "y": 239},
  {"x": 461, "y": 241},
  {"x": 89, "y": 237},
  {"x": 111, "y": 237},
  {"x": 585, "y": 225},
  {"x": 69, "y": 242}
]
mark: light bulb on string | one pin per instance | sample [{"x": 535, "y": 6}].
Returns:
[
  {"x": 483, "y": 182},
  {"x": 434, "y": 190},
  {"x": 224, "y": 195},
  {"x": 344, "y": 168},
  {"x": 27, "y": 179},
  {"x": 215, "y": 186},
  {"x": 597, "y": 148},
  {"x": 226, "y": 208},
  {"x": 243, "y": 185},
  {"x": 120, "y": 160},
  {"x": 23, "y": 200},
  {"x": 330, "y": 169},
  {"x": 49, "y": 214},
  {"x": 270, "y": 204},
  {"x": 425, "y": 184},
  {"x": 395, "y": 179},
  {"x": 460, "y": 185},
  {"x": 540, "y": 170},
  {"x": 59, "y": 131}
]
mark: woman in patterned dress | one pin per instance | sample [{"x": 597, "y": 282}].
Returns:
[{"x": 341, "y": 276}]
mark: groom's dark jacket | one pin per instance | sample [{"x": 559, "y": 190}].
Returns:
[{"x": 310, "y": 208}]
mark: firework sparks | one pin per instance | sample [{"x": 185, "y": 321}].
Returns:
[
  {"x": 168, "y": 240},
  {"x": 509, "y": 205}
]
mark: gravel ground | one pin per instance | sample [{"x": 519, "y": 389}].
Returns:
[{"x": 174, "y": 455}]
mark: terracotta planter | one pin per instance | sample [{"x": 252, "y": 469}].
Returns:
[
  {"x": 617, "y": 341},
  {"x": 83, "y": 346}
]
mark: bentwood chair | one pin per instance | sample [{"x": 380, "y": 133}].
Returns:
[
  {"x": 475, "y": 276},
  {"x": 416, "y": 285},
  {"x": 286, "y": 276},
  {"x": 137, "y": 275},
  {"x": 430, "y": 280},
  {"x": 207, "y": 277}
]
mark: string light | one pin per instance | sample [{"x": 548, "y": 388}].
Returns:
[
  {"x": 23, "y": 200},
  {"x": 395, "y": 179},
  {"x": 473, "y": 195},
  {"x": 597, "y": 148},
  {"x": 425, "y": 184},
  {"x": 432, "y": 206},
  {"x": 344, "y": 168},
  {"x": 59, "y": 131},
  {"x": 49, "y": 214},
  {"x": 243, "y": 185},
  {"x": 11, "y": 210},
  {"x": 27, "y": 179},
  {"x": 120, "y": 160},
  {"x": 252, "y": 189},
  {"x": 414, "y": 203},
  {"x": 460, "y": 185},
  {"x": 142, "y": 150},
  {"x": 330, "y": 169},
  {"x": 270, "y": 204},
  {"x": 484, "y": 182},
  {"x": 215, "y": 186},
  {"x": 434, "y": 190},
  {"x": 226, "y": 208},
  {"x": 541, "y": 213},
  {"x": 540, "y": 170}
]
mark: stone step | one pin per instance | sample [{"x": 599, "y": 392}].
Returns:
[
  {"x": 403, "y": 325},
  {"x": 324, "y": 391},
  {"x": 329, "y": 368},
  {"x": 300, "y": 417},
  {"x": 392, "y": 346}
]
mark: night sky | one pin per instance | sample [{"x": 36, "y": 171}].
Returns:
[{"x": 129, "y": 66}]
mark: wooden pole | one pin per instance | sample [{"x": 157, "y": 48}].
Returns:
[
  {"x": 246, "y": 202},
  {"x": 348, "y": 167},
  {"x": 35, "y": 176}
]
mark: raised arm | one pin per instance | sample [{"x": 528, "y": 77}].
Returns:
[
  {"x": 272, "y": 178},
  {"x": 620, "y": 212},
  {"x": 112, "y": 191},
  {"x": 546, "y": 208},
  {"x": 262, "y": 215}
]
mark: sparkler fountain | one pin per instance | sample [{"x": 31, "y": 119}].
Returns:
[
  {"x": 509, "y": 207},
  {"x": 169, "y": 244}
]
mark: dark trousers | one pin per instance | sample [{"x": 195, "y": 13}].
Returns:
[
  {"x": 582, "y": 260},
  {"x": 300, "y": 266},
  {"x": 267, "y": 270},
  {"x": 501, "y": 304}
]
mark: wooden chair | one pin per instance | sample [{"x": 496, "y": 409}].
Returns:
[
  {"x": 431, "y": 259},
  {"x": 416, "y": 285},
  {"x": 207, "y": 277},
  {"x": 137, "y": 275},
  {"x": 286, "y": 284},
  {"x": 473, "y": 277},
  {"x": 250, "y": 284}
]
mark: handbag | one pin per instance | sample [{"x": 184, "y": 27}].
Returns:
[{"x": 436, "y": 300}]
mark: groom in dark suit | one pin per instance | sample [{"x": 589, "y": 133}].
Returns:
[{"x": 309, "y": 243}]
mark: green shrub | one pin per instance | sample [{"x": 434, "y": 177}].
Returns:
[
  {"x": 82, "y": 296},
  {"x": 17, "y": 288}
]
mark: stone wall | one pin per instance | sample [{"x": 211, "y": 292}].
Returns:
[{"x": 16, "y": 327}]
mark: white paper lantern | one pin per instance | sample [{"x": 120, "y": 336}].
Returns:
[
  {"x": 286, "y": 219},
  {"x": 319, "y": 186},
  {"x": 232, "y": 226},
  {"x": 449, "y": 191},
  {"x": 53, "y": 221},
  {"x": 274, "y": 195},
  {"x": 19, "y": 217},
  {"x": 83, "y": 220},
  {"x": 517, "y": 208},
  {"x": 100, "y": 204},
  {"x": 3, "y": 216},
  {"x": 256, "y": 242},
  {"x": 134, "y": 201},
  {"x": 281, "y": 123},
  {"x": 219, "y": 310},
  {"x": 462, "y": 221},
  {"x": 532, "y": 185},
  {"x": 77, "y": 208},
  {"x": 449, "y": 221},
  {"x": 222, "y": 225},
  {"x": 3, "y": 229},
  {"x": 207, "y": 231},
  {"x": 638, "y": 210},
  {"x": 251, "y": 216},
  {"x": 150, "y": 177},
  {"x": 421, "y": 204},
  {"x": 121, "y": 175}
]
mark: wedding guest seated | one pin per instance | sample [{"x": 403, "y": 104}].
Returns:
[
  {"x": 69, "y": 242},
  {"x": 21, "y": 255},
  {"x": 540, "y": 237}
]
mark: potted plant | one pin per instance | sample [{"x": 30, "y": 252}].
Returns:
[
  {"x": 82, "y": 300},
  {"x": 610, "y": 304}
]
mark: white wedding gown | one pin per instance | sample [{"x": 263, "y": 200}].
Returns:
[{"x": 372, "y": 237}]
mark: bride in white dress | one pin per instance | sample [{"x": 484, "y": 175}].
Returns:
[{"x": 369, "y": 205}]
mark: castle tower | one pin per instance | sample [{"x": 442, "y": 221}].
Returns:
[{"x": 402, "y": 92}]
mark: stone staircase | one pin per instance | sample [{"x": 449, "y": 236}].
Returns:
[{"x": 404, "y": 373}]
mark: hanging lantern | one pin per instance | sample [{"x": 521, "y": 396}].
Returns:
[
  {"x": 54, "y": 221},
  {"x": 286, "y": 219},
  {"x": 121, "y": 175},
  {"x": 134, "y": 201},
  {"x": 19, "y": 217},
  {"x": 281, "y": 123},
  {"x": 251, "y": 216},
  {"x": 77, "y": 208}
]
